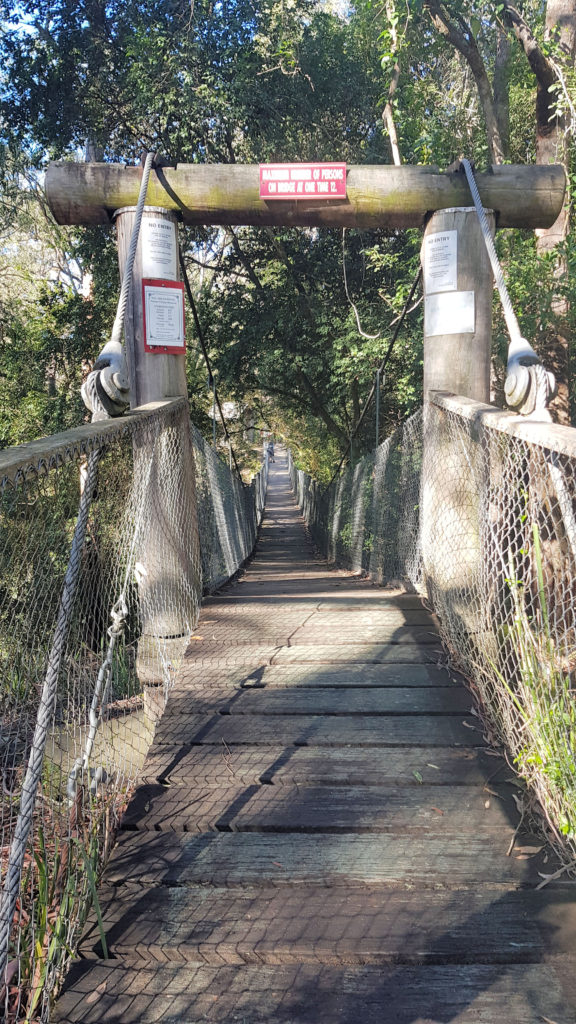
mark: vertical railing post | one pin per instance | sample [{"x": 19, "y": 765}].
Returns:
[
  {"x": 458, "y": 289},
  {"x": 169, "y": 581}
]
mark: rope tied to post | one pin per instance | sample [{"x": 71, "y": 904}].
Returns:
[{"x": 529, "y": 387}]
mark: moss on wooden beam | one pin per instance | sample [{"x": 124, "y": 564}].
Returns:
[{"x": 378, "y": 196}]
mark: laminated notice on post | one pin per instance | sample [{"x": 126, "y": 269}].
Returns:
[
  {"x": 159, "y": 250},
  {"x": 441, "y": 262},
  {"x": 163, "y": 303},
  {"x": 449, "y": 313}
]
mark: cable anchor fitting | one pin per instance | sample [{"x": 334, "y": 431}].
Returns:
[
  {"x": 106, "y": 390},
  {"x": 529, "y": 388}
]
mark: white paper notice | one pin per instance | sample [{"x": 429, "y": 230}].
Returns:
[
  {"x": 164, "y": 308},
  {"x": 440, "y": 262},
  {"x": 449, "y": 313},
  {"x": 158, "y": 249}
]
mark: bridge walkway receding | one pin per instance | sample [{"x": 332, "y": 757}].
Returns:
[{"x": 321, "y": 832}]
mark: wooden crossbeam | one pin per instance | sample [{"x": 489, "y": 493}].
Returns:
[{"x": 378, "y": 196}]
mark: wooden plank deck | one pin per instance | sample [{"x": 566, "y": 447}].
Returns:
[{"x": 321, "y": 832}]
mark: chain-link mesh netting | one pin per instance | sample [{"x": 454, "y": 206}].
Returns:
[
  {"x": 479, "y": 514},
  {"x": 368, "y": 519},
  {"x": 229, "y": 513},
  {"x": 499, "y": 555},
  {"x": 100, "y": 584}
]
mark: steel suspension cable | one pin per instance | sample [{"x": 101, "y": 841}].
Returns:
[
  {"x": 529, "y": 387},
  {"x": 508, "y": 310},
  {"x": 118, "y": 325},
  {"x": 204, "y": 349}
]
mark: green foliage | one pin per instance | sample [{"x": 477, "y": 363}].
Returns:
[
  {"x": 543, "y": 300},
  {"x": 59, "y": 887},
  {"x": 286, "y": 329},
  {"x": 313, "y": 450},
  {"x": 42, "y": 352},
  {"x": 242, "y": 82}
]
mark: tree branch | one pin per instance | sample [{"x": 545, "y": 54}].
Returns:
[
  {"x": 538, "y": 61},
  {"x": 388, "y": 112},
  {"x": 462, "y": 39}
]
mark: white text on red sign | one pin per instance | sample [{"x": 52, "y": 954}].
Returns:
[{"x": 302, "y": 181}]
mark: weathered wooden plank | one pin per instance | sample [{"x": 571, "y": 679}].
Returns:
[
  {"x": 193, "y": 678},
  {"x": 212, "y": 766},
  {"x": 316, "y": 730},
  {"x": 352, "y": 809},
  {"x": 366, "y": 599},
  {"x": 222, "y": 654},
  {"x": 284, "y": 567},
  {"x": 260, "y": 994},
  {"x": 242, "y": 858},
  {"x": 310, "y": 925},
  {"x": 367, "y": 654},
  {"x": 377, "y": 196},
  {"x": 322, "y": 588},
  {"x": 237, "y": 616},
  {"x": 279, "y": 632},
  {"x": 460, "y": 994},
  {"x": 258, "y": 700},
  {"x": 358, "y": 618},
  {"x": 318, "y": 633}
]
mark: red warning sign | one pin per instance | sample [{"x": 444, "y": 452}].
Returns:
[{"x": 302, "y": 181}]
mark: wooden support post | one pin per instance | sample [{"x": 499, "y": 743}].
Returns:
[
  {"x": 169, "y": 580},
  {"x": 457, "y": 341},
  {"x": 458, "y": 289},
  {"x": 157, "y": 376}
]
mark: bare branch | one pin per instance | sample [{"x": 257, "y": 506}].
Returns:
[{"x": 462, "y": 39}]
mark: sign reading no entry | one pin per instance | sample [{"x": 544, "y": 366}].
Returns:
[{"x": 302, "y": 181}]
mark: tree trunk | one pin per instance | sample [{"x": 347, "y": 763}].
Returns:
[
  {"x": 388, "y": 112},
  {"x": 388, "y": 117},
  {"x": 502, "y": 90},
  {"x": 459, "y": 34},
  {"x": 551, "y": 139},
  {"x": 552, "y": 146}
]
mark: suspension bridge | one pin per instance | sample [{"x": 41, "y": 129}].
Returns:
[
  {"x": 321, "y": 832},
  {"x": 318, "y": 797}
]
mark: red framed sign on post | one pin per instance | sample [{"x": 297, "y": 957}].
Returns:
[
  {"x": 163, "y": 305},
  {"x": 303, "y": 181}
]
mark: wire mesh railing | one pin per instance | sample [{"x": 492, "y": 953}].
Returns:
[
  {"x": 368, "y": 518},
  {"x": 476, "y": 508},
  {"x": 499, "y": 561},
  {"x": 229, "y": 513},
  {"x": 103, "y": 561}
]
